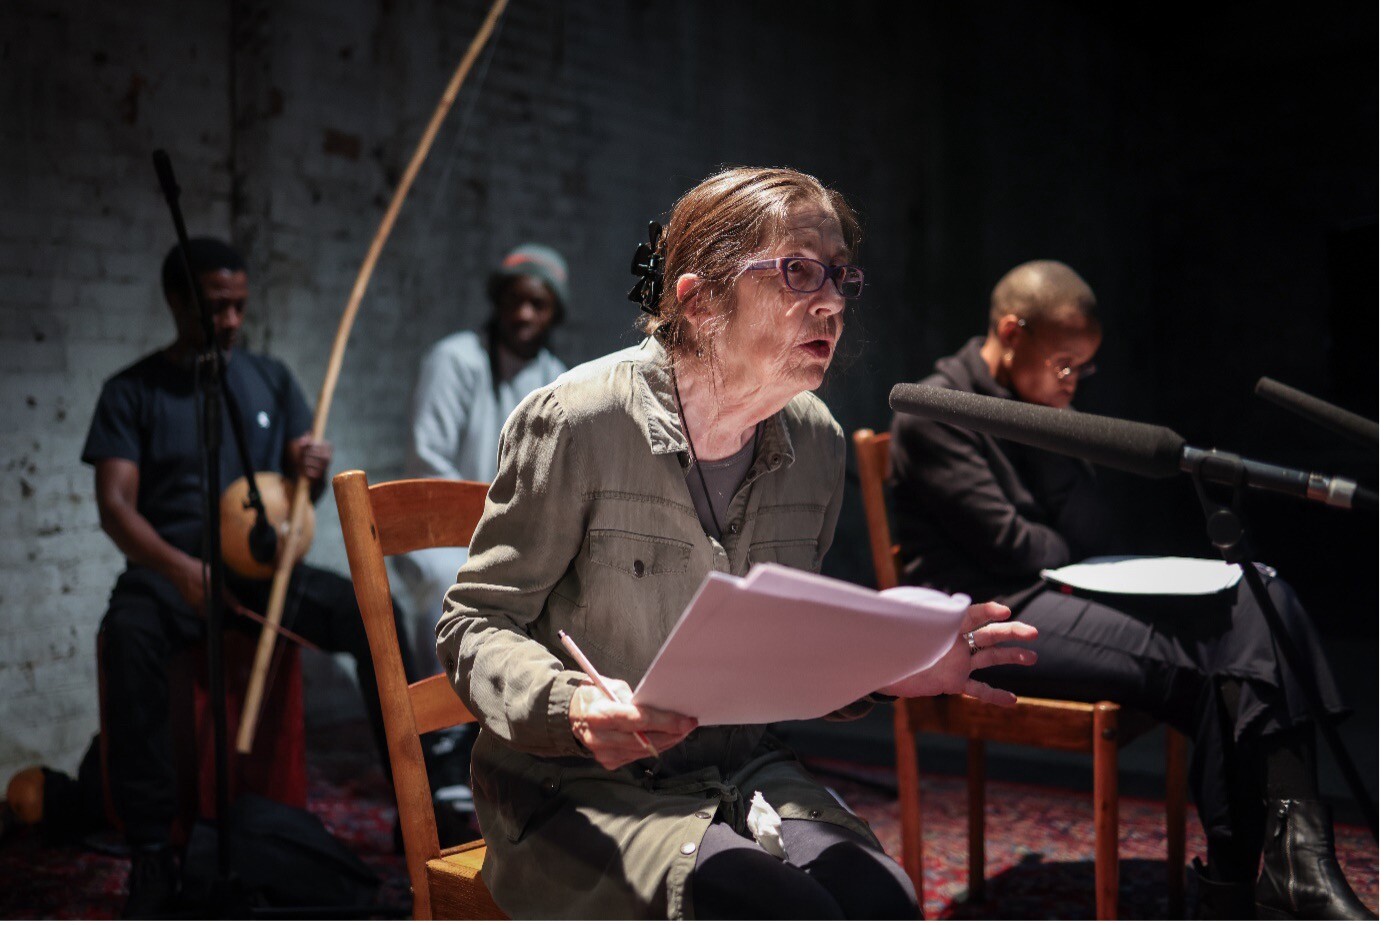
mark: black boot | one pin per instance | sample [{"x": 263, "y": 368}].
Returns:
[
  {"x": 1301, "y": 878},
  {"x": 153, "y": 882},
  {"x": 1218, "y": 900}
]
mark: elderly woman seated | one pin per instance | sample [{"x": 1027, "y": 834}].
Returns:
[{"x": 620, "y": 487}]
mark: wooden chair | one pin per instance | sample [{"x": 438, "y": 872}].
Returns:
[
  {"x": 385, "y": 520},
  {"x": 1098, "y": 728}
]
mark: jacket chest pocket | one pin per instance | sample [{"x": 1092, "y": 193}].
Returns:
[
  {"x": 799, "y": 554},
  {"x": 639, "y": 556},
  {"x": 636, "y": 587}
]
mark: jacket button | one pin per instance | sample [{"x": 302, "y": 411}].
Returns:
[
  {"x": 638, "y": 568},
  {"x": 702, "y": 814},
  {"x": 815, "y": 814},
  {"x": 774, "y": 459},
  {"x": 689, "y": 847},
  {"x": 734, "y": 528},
  {"x": 550, "y": 785}
]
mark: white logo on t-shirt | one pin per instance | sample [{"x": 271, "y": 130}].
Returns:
[{"x": 263, "y": 419}]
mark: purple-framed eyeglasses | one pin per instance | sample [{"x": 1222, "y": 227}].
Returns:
[{"x": 803, "y": 274}]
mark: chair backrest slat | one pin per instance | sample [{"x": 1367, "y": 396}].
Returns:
[
  {"x": 413, "y": 514},
  {"x": 872, "y": 459},
  {"x": 436, "y": 706}
]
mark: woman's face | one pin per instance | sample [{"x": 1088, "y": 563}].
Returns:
[{"x": 779, "y": 339}]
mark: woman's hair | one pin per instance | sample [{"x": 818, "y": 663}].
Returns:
[{"x": 723, "y": 222}]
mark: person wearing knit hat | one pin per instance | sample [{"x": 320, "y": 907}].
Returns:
[{"x": 468, "y": 384}]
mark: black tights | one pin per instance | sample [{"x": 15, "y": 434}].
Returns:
[
  {"x": 1274, "y": 767},
  {"x": 831, "y": 873}
]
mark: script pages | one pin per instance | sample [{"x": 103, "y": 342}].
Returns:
[{"x": 783, "y": 644}]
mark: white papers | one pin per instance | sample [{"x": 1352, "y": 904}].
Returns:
[
  {"x": 1147, "y": 575},
  {"x": 783, "y": 644}
]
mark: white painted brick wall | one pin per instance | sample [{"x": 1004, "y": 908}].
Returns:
[{"x": 81, "y": 233}]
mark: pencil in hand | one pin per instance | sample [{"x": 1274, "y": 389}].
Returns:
[{"x": 596, "y": 679}]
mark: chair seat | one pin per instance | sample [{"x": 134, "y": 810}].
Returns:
[
  {"x": 454, "y": 880},
  {"x": 1058, "y": 724}
]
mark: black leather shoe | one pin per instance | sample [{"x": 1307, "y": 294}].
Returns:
[
  {"x": 153, "y": 882},
  {"x": 1300, "y": 878},
  {"x": 1219, "y": 900}
]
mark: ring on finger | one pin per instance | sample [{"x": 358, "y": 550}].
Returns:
[{"x": 971, "y": 641}]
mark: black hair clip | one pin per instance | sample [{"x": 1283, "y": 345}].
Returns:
[{"x": 648, "y": 266}]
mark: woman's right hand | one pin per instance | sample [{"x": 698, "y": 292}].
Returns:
[{"x": 607, "y": 728}]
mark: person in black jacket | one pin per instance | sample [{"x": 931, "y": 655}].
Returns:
[{"x": 983, "y": 516}]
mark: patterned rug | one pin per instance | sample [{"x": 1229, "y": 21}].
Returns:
[
  {"x": 1038, "y": 847},
  {"x": 1038, "y": 864}
]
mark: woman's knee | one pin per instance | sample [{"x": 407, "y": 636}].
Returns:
[
  {"x": 864, "y": 881},
  {"x": 736, "y": 879}
]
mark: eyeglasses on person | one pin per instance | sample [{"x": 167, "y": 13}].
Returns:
[
  {"x": 1062, "y": 367},
  {"x": 803, "y": 274}
]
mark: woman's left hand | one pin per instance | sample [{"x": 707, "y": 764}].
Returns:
[{"x": 989, "y": 625}]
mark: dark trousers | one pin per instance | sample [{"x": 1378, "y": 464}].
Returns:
[
  {"x": 142, "y": 630},
  {"x": 1170, "y": 656},
  {"x": 831, "y": 873}
]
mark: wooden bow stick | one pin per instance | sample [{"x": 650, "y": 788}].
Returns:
[{"x": 288, "y": 544}]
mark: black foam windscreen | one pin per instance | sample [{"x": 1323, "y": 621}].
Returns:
[
  {"x": 1144, "y": 449},
  {"x": 1324, "y": 413}
]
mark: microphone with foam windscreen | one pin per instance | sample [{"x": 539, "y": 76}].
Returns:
[
  {"x": 1346, "y": 423},
  {"x": 1144, "y": 449}
]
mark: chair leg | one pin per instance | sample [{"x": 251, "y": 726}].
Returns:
[
  {"x": 1105, "y": 749},
  {"x": 975, "y": 818},
  {"x": 1176, "y": 749},
  {"x": 910, "y": 808}
]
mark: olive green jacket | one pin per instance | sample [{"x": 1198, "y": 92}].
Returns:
[{"x": 589, "y": 528}]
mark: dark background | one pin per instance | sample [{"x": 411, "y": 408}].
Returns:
[{"x": 1212, "y": 171}]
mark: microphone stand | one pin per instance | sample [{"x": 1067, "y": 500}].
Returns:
[
  {"x": 210, "y": 384},
  {"x": 1227, "y": 532},
  {"x": 229, "y": 896},
  {"x": 264, "y": 540}
]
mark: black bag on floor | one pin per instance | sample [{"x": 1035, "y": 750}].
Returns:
[{"x": 282, "y": 856}]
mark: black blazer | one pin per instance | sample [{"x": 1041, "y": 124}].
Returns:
[{"x": 982, "y": 516}]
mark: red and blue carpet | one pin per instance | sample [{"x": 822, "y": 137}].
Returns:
[{"x": 1038, "y": 853}]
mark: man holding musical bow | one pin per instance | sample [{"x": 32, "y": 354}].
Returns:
[{"x": 145, "y": 448}]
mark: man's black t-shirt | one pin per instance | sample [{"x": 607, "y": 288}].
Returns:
[{"x": 148, "y": 414}]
